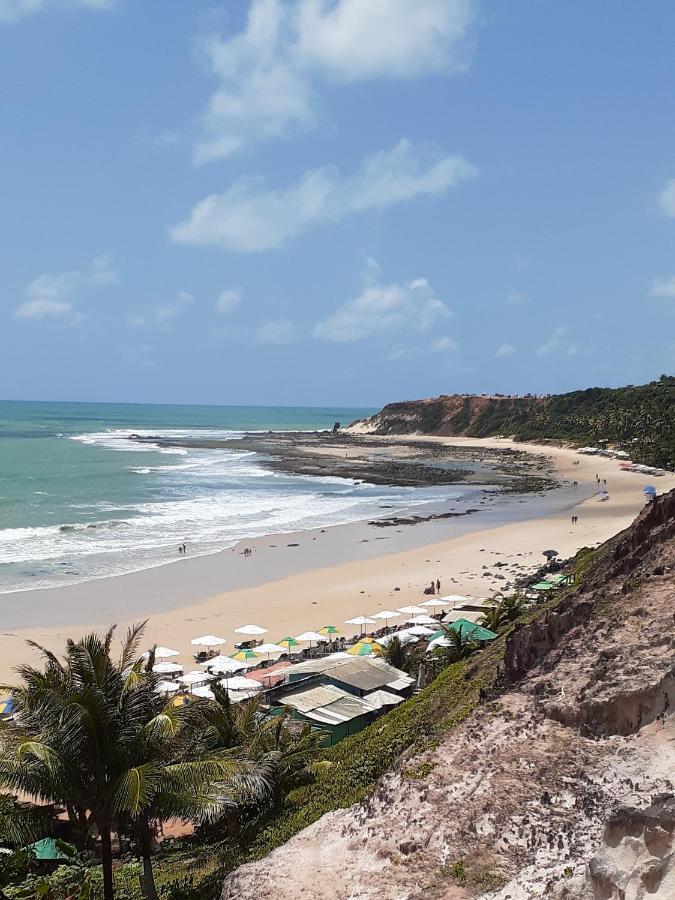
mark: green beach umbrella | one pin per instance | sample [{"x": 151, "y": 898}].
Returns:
[
  {"x": 244, "y": 655},
  {"x": 329, "y": 629},
  {"x": 52, "y": 849},
  {"x": 288, "y": 642},
  {"x": 467, "y": 629}
]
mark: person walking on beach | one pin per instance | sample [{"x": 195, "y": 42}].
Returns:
[
  {"x": 433, "y": 588},
  {"x": 438, "y": 585}
]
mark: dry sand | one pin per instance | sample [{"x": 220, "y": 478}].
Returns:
[{"x": 299, "y": 589}]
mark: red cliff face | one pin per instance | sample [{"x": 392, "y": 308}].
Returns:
[{"x": 455, "y": 414}]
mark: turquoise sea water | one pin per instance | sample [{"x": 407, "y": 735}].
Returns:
[{"x": 78, "y": 500}]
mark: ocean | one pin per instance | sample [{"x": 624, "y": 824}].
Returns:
[{"x": 78, "y": 500}]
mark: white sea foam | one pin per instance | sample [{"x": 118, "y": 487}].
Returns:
[{"x": 209, "y": 498}]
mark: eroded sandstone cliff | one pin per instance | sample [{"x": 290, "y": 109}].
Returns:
[{"x": 559, "y": 785}]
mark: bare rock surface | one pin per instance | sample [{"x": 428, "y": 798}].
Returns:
[{"x": 561, "y": 787}]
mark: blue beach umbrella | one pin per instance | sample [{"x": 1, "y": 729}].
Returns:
[{"x": 650, "y": 489}]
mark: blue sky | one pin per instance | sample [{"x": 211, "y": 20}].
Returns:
[{"x": 334, "y": 201}]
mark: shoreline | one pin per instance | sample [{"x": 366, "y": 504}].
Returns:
[{"x": 328, "y": 575}]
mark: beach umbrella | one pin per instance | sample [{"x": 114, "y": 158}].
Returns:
[
  {"x": 434, "y": 602},
  {"x": 269, "y": 648},
  {"x": 208, "y": 640},
  {"x": 466, "y": 628},
  {"x": 6, "y": 707},
  {"x": 550, "y": 554},
  {"x": 162, "y": 653},
  {"x": 362, "y": 621},
  {"x": 205, "y": 692},
  {"x": 420, "y": 630},
  {"x": 222, "y": 664},
  {"x": 405, "y": 636},
  {"x": 454, "y": 599},
  {"x": 329, "y": 629},
  {"x": 194, "y": 678},
  {"x": 183, "y": 700},
  {"x": 310, "y": 636},
  {"x": 250, "y": 629},
  {"x": 245, "y": 656},
  {"x": 339, "y": 654},
  {"x": 421, "y": 620},
  {"x": 239, "y": 696},
  {"x": 386, "y": 614},
  {"x": 288, "y": 642},
  {"x": 650, "y": 489},
  {"x": 365, "y": 648},
  {"x": 438, "y": 642},
  {"x": 412, "y": 610},
  {"x": 167, "y": 687},
  {"x": 167, "y": 668},
  {"x": 239, "y": 683}
]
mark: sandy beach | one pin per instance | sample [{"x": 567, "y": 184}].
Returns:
[{"x": 309, "y": 579}]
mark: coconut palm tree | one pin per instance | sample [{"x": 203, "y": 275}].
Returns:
[
  {"x": 91, "y": 734},
  {"x": 278, "y": 755},
  {"x": 460, "y": 645}
]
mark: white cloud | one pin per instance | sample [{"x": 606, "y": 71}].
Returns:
[
  {"x": 663, "y": 287},
  {"x": 667, "y": 198},
  {"x": 135, "y": 320},
  {"x": 248, "y": 217},
  {"x": 517, "y": 297},
  {"x": 445, "y": 345},
  {"x": 505, "y": 350},
  {"x": 384, "y": 308},
  {"x": 14, "y": 10},
  {"x": 557, "y": 342},
  {"x": 269, "y": 72},
  {"x": 52, "y": 294},
  {"x": 280, "y": 331},
  {"x": 228, "y": 300},
  {"x": 165, "y": 313}
]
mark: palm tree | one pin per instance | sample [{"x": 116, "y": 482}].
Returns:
[
  {"x": 395, "y": 653},
  {"x": 278, "y": 756},
  {"x": 460, "y": 645},
  {"x": 91, "y": 734}
]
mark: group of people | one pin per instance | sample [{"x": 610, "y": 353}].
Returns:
[
  {"x": 434, "y": 587},
  {"x": 247, "y": 551},
  {"x": 182, "y": 548}
]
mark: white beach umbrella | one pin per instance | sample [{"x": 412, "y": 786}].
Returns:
[
  {"x": 239, "y": 683},
  {"x": 167, "y": 668},
  {"x": 250, "y": 629},
  {"x": 340, "y": 654},
  {"x": 386, "y": 614},
  {"x": 438, "y": 642},
  {"x": 208, "y": 640},
  {"x": 222, "y": 664},
  {"x": 454, "y": 599},
  {"x": 310, "y": 636},
  {"x": 362, "y": 621},
  {"x": 167, "y": 687},
  {"x": 404, "y": 636},
  {"x": 205, "y": 692},
  {"x": 238, "y": 696},
  {"x": 194, "y": 678},
  {"x": 412, "y": 610},
  {"x": 422, "y": 620},
  {"x": 434, "y": 602},
  {"x": 162, "y": 653},
  {"x": 270, "y": 648},
  {"x": 421, "y": 631}
]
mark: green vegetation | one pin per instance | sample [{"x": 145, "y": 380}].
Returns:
[
  {"x": 261, "y": 780},
  {"x": 637, "y": 417}
]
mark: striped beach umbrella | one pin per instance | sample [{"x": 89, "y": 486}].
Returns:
[
  {"x": 329, "y": 629},
  {"x": 365, "y": 648},
  {"x": 288, "y": 642},
  {"x": 244, "y": 655}
]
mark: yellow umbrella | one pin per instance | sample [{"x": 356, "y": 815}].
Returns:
[
  {"x": 244, "y": 655},
  {"x": 329, "y": 629},
  {"x": 365, "y": 648}
]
